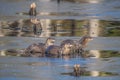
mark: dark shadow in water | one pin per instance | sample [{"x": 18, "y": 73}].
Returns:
[
  {"x": 21, "y": 53},
  {"x": 108, "y": 54},
  {"x": 103, "y": 54},
  {"x": 88, "y": 73}
]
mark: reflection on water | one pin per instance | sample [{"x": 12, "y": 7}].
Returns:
[
  {"x": 88, "y": 73},
  {"x": 85, "y": 54},
  {"x": 60, "y": 28}
]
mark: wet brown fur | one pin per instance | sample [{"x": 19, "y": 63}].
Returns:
[
  {"x": 39, "y": 48},
  {"x": 77, "y": 46}
]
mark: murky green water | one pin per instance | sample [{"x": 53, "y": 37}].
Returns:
[{"x": 67, "y": 19}]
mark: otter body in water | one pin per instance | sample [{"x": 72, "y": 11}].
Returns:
[
  {"x": 67, "y": 48},
  {"x": 77, "y": 46},
  {"x": 58, "y": 51},
  {"x": 39, "y": 48}
]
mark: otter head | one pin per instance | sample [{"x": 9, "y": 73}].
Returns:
[
  {"x": 49, "y": 41},
  {"x": 66, "y": 49},
  {"x": 76, "y": 67},
  {"x": 68, "y": 46},
  {"x": 85, "y": 40},
  {"x": 33, "y": 5}
]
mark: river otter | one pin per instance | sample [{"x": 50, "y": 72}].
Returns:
[
  {"x": 32, "y": 11},
  {"x": 72, "y": 42},
  {"x": 82, "y": 43},
  {"x": 77, "y": 46},
  {"x": 84, "y": 40},
  {"x": 77, "y": 70},
  {"x": 58, "y": 51},
  {"x": 39, "y": 48}
]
